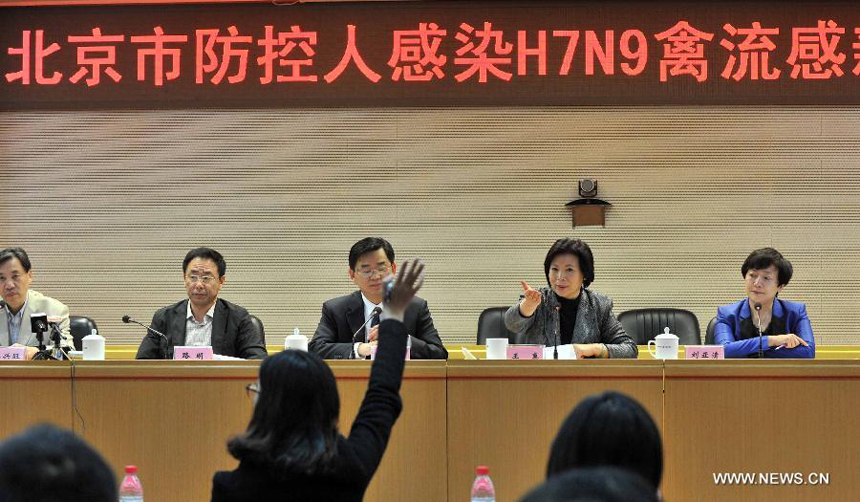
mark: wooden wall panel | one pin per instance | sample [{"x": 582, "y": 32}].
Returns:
[{"x": 108, "y": 202}]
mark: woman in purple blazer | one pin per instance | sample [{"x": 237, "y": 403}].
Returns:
[{"x": 785, "y": 328}]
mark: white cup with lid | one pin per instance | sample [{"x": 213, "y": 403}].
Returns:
[{"x": 666, "y": 344}]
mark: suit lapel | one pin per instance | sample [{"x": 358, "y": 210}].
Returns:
[
  {"x": 178, "y": 323},
  {"x": 25, "y": 334},
  {"x": 586, "y": 321},
  {"x": 355, "y": 315},
  {"x": 219, "y": 327}
]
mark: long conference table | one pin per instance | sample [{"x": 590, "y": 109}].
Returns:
[{"x": 770, "y": 418}]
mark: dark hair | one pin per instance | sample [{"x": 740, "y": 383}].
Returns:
[
  {"x": 765, "y": 257},
  {"x": 367, "y": 245},
  {"x": 577, "y": 248},
  {"x": 603, "y": 484},
  {"x": 294, "y": 425},
  {"x": 608, "y": 429},
  {"x": 205, "y": 254},
  {"x": 9, "y": 253},
  {"x": 45, "y": 463}
]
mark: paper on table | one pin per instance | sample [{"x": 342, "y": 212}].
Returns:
[
  {"x": 564, "y": 352},
  {"x": 219, "y": 357}
]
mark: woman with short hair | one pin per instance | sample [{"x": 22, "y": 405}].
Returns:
[
  {"x": 785, "y": 327},
  {"x": 567, "y": 312}
]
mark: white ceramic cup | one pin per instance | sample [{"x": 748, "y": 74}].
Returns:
[
  {"x": 666, "y": 344},
  {"x": 93, "y": 347},
  {"x": 296, "y": 342},
  {"x": 497, "y": 348}
]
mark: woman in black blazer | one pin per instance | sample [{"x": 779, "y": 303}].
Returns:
[{"x": 292, "y": 450}]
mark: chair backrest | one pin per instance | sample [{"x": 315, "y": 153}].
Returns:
[
  {"x": 259, "y": 325},
  {"x": 709, "y": 333},
  {"x": 80, "y": 327},
  {"x": 644, "y": 324},
  {"x": 491, "y": 324}
]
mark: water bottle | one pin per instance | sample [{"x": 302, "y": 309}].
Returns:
[
  {"x": 408, "y": 347},
  {"x": 482, "y": 488},
  {"x": 130, "y": 490}
]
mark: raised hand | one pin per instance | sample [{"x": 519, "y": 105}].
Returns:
[
  {"x": 410, "y": 277},
  {"x": 531, "y": 300}
]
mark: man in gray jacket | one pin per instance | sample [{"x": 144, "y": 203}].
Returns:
[{"x": 20, "y": 302}]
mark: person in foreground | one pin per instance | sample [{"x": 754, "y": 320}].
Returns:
[
  {"x": 292, "y": 449},
  {"x": 203, "y": 319},
  {"x": 348, "y": 326},
  {"x": 595, "y": 484},
  {"x": 568, "y": 312},
  {"x": 20, "y": 302},
  {"x": 47, "y": 464},
  {"x": 785, "y": 327},
  {"x": 609, "y": 429}
]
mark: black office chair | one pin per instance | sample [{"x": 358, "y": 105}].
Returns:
[
  {"x": 644, "y": 324},
  {"x": 709, "y": 333},
  {"x": 80, "y": 327},
  {"x": 259, "y": 325},
  {"x": 491, "y": 324}
]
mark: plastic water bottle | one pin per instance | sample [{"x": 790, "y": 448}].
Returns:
[
  {"x": 482, "y": 488},
  {"x": 130, "y": 490}
]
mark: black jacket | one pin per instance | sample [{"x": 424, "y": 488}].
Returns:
[
  {"x": 343, "y": 316},
  {"x": 233, "y": 334},
  {"x": 358, "y": 456}
]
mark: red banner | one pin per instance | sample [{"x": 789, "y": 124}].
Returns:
[{"x": 430, "y": 54}]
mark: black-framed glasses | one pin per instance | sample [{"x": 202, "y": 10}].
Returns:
[{"x": 251, "y": 389}]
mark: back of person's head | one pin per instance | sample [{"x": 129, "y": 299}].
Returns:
[
  {"x": 594, "y": 484},
  {"x": 763, "y": 258},
  {"x": 294, "y": 425},
  {"x": 608, "y": 429},
  {"x": 367, "y": 245},
  {"x": 48, "y": 464}
]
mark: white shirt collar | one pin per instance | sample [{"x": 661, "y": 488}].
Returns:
[
  {"x": 209, "y": 313},
  {"x": 368, "y": 306}
]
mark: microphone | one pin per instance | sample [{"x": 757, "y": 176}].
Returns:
[
  {"x": 373, "y": 313},
  {"x": 757, "y": 307},
  {"x": 126, "y": 319},
  {"x": 557, "y": 337}
]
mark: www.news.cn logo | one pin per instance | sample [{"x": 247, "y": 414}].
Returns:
[{"x": 771, "y": 478}]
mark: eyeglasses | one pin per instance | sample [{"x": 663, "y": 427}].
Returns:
[
  {"x": 252, "y": 389},
  {"x": 368, "y": 273},
  {"x": 206, "y": 279}
]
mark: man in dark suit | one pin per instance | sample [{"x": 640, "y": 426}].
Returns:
[
  {"x": 340, "y": 334},
  {"x": 204, "y": 319}
]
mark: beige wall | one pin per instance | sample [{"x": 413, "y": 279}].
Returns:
[{"x": 108, "y": 202}]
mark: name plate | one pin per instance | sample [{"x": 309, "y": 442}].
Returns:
[
  {"x": 704, "y": 352},
  {"x": 12, "y": 353},
  {"x": 193, "y": 353},
  {"x": 525, "y": 352}
]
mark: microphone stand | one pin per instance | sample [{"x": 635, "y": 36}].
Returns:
[
  {"x": 373, "y": 313},
  {"x": 557, "y": 336},
  {"x": 126, "y": 319},
  {"x": 757, "y": 307}
]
